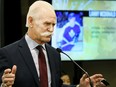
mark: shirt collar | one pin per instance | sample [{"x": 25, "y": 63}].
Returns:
[{"x": 31, "y": 43}]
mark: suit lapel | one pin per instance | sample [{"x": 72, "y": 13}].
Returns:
[
  {"x": 51, "y": 64},
  {"x": 25, "y": 52}
]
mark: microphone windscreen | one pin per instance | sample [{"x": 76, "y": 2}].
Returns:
[{"x": 59, "y": 50}]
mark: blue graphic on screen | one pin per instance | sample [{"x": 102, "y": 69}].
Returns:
[{"x": 69, "y": 30}]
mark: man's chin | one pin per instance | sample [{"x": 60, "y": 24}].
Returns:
[{"x": 47, "y": 40}]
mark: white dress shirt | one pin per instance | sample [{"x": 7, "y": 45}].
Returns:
[{"x": 32, "y": 46}]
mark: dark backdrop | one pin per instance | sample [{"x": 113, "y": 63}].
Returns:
[{"x": 12, "y": 21}]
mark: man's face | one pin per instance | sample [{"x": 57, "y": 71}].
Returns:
[
  {"x": 43, "y": 27},
  {"x": 66, "y": 79}
]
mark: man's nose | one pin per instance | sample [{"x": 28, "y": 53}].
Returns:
[{"x": 51, "y": 28}]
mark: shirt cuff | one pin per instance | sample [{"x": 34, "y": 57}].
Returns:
[{"x": 77, "y": 86}]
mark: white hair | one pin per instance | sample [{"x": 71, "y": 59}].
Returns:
[{"x": 35, "y": 8}]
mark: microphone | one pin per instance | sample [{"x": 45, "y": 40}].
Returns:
[
  {"x": 60, "y": 51},
  {"x": 91, "y": 84}
]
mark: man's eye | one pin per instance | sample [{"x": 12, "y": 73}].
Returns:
[
  {"x": 53, "y": 24},
  {"x": 47, "y": 23}
]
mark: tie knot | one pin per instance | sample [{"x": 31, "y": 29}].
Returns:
[{"x": 39, "y": 47}]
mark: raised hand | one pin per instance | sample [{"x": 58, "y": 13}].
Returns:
[
  {"x": 95, "y": 79},
  {"x": 8, "y": 77}
]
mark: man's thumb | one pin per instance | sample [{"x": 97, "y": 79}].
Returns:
[
  {"x": 14, "y": 69},
  {"x": 83, "y": 77}
]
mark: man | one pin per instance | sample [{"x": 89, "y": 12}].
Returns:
[
  {"x": 70, "y": 33},
  {"x": 65, "y": 78},
  {"x": 19, "y": 61}
]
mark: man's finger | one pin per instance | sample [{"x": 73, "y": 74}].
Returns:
[
  {"x": 97, "y": 76},
  {"x": 14, "y": 69},
  {"x": 6, "y": 71},
  {"x": 84, "y": 77}
]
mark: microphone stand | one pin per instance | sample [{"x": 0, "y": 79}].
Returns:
[{"x": 91, "y": 84}]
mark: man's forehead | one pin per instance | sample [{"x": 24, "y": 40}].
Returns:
[{"x": 50, "y": 20}]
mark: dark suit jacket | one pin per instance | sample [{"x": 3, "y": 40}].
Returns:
[{"x": 19, "y": 54}]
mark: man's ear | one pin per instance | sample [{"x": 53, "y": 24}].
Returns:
[{"x": 30, "y": 21}]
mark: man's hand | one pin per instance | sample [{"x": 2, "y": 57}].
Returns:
[
  {"x": 95, "y": 79},
  {"x": 8, "y": 77}
]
